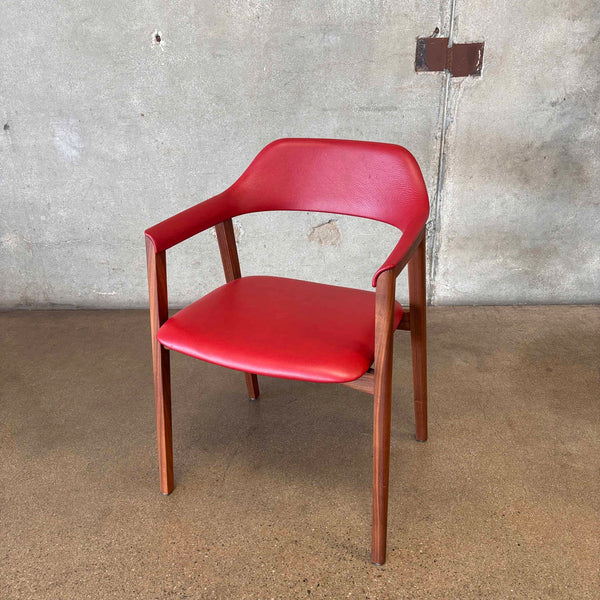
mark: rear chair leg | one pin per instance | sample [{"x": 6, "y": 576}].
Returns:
[
  {"x": 252, "y": 385},
  {"x": 418, "y": 340},
  {"x": 231, "y": 268}
]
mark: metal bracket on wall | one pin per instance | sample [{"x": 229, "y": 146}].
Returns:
[{"x": 460, "y": 60}]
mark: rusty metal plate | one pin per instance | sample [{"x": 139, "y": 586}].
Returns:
[
  {"x": 431, "y": 54},
  {"x": 465, "y": 59},
  {"x": 461, "y": 60}
]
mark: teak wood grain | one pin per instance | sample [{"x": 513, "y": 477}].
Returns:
[
  {"x": 405, "y": 320},
  {"x": 231, "y": 266},
  {"x": 418, "y": 337},
  {"x": 159, "y": 313},
  {"x": 366, "y": 383},
  {"x": 228, "y": 249},
  {"x": 410, "y": 252},
  {"x": 382, "y": 404}
]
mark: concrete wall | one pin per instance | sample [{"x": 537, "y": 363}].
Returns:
[
  {"x": 520, "y": 206},
  {"x": 107, "y": 131}
]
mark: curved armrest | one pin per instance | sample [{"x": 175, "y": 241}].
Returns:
[
  {"x": 217, "y": 209},
  {"x": 402, "y": 252},
  {"x": 191, "y": 221}
]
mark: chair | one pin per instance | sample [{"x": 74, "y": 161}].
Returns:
[{"x": 296, "y": 329}]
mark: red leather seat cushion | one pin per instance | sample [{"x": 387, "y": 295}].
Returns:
[{"x": 281, "y": 328}]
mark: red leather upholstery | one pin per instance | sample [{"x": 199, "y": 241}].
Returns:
[
  {"x": 297, "y": 329},
  {"x": 280, "y": 327},
  {"x": 366, "y": 179}
]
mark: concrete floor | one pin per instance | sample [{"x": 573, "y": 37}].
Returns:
[{"x": 272, "y": 498}]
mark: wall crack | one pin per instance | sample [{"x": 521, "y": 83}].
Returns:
[{"x": 434, "y": 224}]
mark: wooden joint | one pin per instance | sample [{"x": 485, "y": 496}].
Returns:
[
  {"x": 405, "y": 320},
  {"x": 366, "y": 383}
]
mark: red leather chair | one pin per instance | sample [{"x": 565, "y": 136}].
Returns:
[{"x": 297, "y": 329}]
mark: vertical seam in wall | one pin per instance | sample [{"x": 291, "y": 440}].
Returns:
[{"x": 436, "y": 208}]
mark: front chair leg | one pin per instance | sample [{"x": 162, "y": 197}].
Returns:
[
  {"x": 159, "y": 313},
  {"x": 382, "y": 408},
  {"x": 381, "y": 470},
  {"x": 162, "y": 397}
]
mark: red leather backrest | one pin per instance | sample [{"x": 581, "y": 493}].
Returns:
[{"x": 365, "y": 179}]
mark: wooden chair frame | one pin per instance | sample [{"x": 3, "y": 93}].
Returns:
[{"x": 377, "y": 381}]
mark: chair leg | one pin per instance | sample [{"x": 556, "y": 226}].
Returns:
[
  {"x": 162, "y": 396},
  {"x": 252, "y": 385},
  {"x": 382, "y": 408},
  {"x": 381, "y": 471},
  {"x": 416, "y": 284},
  {"x": 159, "y": 313},
  {"x": 231, "y": 268}
]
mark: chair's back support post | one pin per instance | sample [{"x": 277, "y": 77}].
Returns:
[
  {"x": 228, "y": 249},
  {"x": 159, "y": 313},
  {"x": 418, "y": 301},
  {"x": 231, "y": 266},
  {"x": 384, "y": 340}
]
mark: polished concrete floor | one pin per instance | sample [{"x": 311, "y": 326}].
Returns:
[{"x": 272, "y": 498}]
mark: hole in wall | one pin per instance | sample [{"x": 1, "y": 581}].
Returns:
[{"x": 158, "y": 39}]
